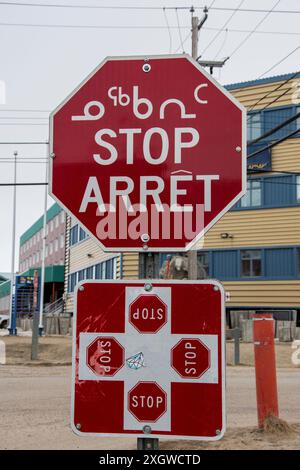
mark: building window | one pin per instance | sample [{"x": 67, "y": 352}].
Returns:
[
  {"x": 50, "y": 248},
  {"x": 98, "y": 271},
  {"x": 72, "y": 281},
  {"x": 56, "y": 244},
  {"x": 203, "y": 260},
  {"x": 81, "y": 275},
  {"x": 253, "y": 126},
  {"x": 62, "y": 217},
  {"x": 252, "y": 197},
  {"x": 51, "y": 225},
  {"x": 56, "y": 221},
  {"x": 74, "y": 235},
  {"x": 298, "y": 188},
  {"x": 89, "y": 272},
  {"x": 82, "y": 234},
  {"x": 251, "y": 263},
  {"x": 61, "y": 241},
  {"x": 110, "y": 268}
]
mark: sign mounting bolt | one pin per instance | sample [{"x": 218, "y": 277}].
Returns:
[
  {"x": 216, "y": 288},
  {"x": 147, "y": 429},
  {"x": 145, "y": 237},
  {"x": 146, "y": 68},
  {"x": 218, "y": 432},
  {"x": 238, "y": 149},
  {"x": 81, "y": 288},
  {"x": 148, "y": 287},
  {"x": 52, "y": 155},
  {"x": 145, "y": 247},
  {"x": 78, "y": 426}
]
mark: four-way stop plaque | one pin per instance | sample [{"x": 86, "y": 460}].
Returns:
[{"x": 148, "y": 359}]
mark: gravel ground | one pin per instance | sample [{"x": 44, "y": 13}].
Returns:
[
  {"x": 57, "y": 350},
  {"x": 35, "y": 404}
]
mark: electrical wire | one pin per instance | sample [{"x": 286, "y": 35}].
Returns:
[
  {"x": 275, "y": 129},
  {"x": 273, "y": 144},
  {"x": 179, "y": 30},
  {"x": 169, "y": 30},
  {"x": 184, "y": 41},
  {"x": 136, "y": 7},
  {"x": 222, "y": 45},
  {"x": 221, "y": 29},
  {"x": 254, "y": 29},
  {"x": 271, "y": 92},
  {"x": 154, "y": 27},
  {"x": 24, "y": 143},
  {"x": 23, "y": 124},
  {"x": 278, "y": 63},
  {"x": 24, "y": 184}
]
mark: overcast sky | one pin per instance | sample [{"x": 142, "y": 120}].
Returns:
[{"x": 41, "y": 65}]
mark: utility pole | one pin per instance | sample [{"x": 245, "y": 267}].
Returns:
[
  {"x": 37, "y": 324},
  {"x": 12, "y": 327},
  {"x": 196, "y": 26}
]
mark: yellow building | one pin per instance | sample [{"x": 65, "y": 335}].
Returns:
[{"x": 255, "y": 248}]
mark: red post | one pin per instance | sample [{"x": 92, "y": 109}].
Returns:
[{"x": 265, "y": 366}]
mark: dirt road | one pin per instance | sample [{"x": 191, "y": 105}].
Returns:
[{"x": 35, "y": 404}]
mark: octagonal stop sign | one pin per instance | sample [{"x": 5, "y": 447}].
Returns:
[
  {"x": 147, "y": 401},
  {"x": 105, "y": 356},
  {"x": 190, "y": 358},
  {"x": 148, "y": 153},
  {"x": 148, "y": 313}
]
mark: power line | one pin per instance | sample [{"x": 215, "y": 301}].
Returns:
[
  {"x": 271, "y": 92},
  {"x": 24, "y": 184},
  {"x": 272, "y": 144},
  {"x": 254, "y": 29},
  {"x": 169, "y": 30},
  {"x": 275, "y": 129},
  {"x": 221, "y": 29},
  {"x": 44, "y": 25},
  {"x": 184, "y": 41},
  {"x": 25, "y": 110},
  {"x": 179, "y": 30},
  {"x": 154, "y": 27},
  {"x": 23, "y": 124},
  {"x": 277, "y": 63},
  {"x": 24, "y": 143},
  {"x": 24, "y": 117},
  {"x": 275, "y": 171},
  {"x": 136, "y": 7}
]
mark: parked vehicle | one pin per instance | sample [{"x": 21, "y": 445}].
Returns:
[{"x": 4, "y": 321}]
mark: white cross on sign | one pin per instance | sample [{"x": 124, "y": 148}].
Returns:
[{"x": 156, "y": 350}]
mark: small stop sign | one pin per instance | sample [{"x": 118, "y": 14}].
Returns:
[
  {"x": 105, "y": 356},
  {"x": 190, "y": 358},
  {"x": 148, "y": 313},
  {"x": 147, "y": 401}
]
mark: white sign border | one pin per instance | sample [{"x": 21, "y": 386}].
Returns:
[
  {"x": 212, "y": 282},
  {"x": 242, "y": 154}
]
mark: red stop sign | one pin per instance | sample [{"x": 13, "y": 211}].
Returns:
[
  {"x": 148, "y": 313},
  {"x": 105, "y": 356},
  {"x": 148, "y": 154},
  {"x": 147, "y": 401},
  {"x": 190, "y": 358}
]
